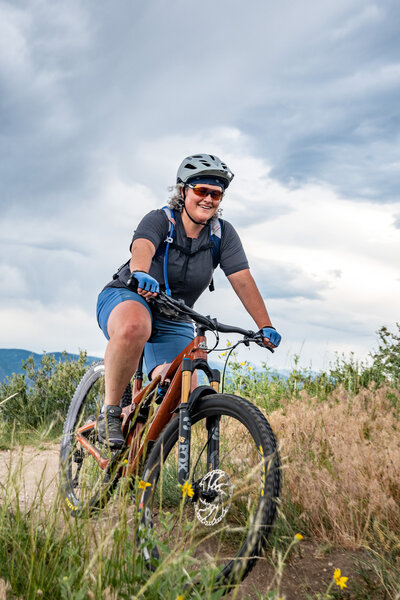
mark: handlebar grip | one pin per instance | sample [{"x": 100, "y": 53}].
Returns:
[{"x": 132, "y": 283}]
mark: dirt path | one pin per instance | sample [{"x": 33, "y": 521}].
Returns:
[
  {"x": 39, "y": 469},
  {"x": 307, "y": 572}
]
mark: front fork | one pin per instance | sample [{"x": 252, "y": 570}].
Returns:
[{"x": 212, "y": 424}]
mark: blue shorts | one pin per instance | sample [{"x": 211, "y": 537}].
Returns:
[{"x": 168, "y": 338}]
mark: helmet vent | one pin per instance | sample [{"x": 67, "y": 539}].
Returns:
[{"x": 204, "y": 165}]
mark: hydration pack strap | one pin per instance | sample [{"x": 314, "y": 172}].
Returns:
[
  {"x": 168, "y": 240},
  {"x": 215, "y": 232}
]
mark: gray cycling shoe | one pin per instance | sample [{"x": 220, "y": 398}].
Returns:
[{"x": 109, "y": 427}]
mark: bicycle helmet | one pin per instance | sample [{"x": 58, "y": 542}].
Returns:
[{"x": 204, "y": 165}]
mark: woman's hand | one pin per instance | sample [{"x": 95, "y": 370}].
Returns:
[
  {"x": 147, "y": 286},
  {"x": 272, "y": 338}
]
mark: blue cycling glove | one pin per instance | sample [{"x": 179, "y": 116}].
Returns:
[
  {"x": 145, "y": 281},
  {"x": 272, "y": 335}
]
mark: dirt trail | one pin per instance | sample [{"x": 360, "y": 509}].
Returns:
[
  {"x": 307, "y": 572},
  {"x": 39, "y": 469}
]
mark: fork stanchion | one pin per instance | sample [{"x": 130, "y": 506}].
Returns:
[
  {"x": 184, "y": 423},
  {"x": 216, "y": 379},
  {"x": 212, "y": 424}
]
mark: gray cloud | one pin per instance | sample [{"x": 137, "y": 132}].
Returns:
[
  {"x": 88, "y": 92},
  {"x": 339, "y": 120},
  {"x": 286, "y": 281},
  {"x": 280, "y": 281},
  {"x": 85, "y": 85}
]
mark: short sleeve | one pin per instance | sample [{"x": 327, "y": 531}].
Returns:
[
  {"x": 233, "y": 257},
  {"x": 153, "y": 227}
]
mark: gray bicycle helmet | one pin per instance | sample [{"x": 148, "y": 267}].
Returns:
[{"x": 206, "y": 165}]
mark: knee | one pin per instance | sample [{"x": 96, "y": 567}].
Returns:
[
  {"x": 135, "y": 330},
  {"x": 132, "y": 330}
]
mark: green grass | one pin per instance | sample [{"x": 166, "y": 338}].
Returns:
[{"x": 44, "y": 552}]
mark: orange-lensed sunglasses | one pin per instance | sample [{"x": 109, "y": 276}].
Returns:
[{"x": 203, "y": 192}]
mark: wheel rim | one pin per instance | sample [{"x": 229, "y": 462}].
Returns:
[
  {"x": 232, "y": 535},
  {"x": 86, "y": 483}
]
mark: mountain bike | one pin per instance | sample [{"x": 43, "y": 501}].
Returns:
[{"x": 207, "y": 459}]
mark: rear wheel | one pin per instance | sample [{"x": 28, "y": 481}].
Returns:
[
  {"x": 85, "y": 485},
  {"x": 224, "y": 514}
]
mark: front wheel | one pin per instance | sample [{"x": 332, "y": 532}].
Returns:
[{"x": 222, "y": 516}]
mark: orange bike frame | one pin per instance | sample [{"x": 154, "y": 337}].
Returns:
[{"x": 136, "y": 445}]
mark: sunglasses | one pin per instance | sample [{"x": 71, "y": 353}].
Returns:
[{"x": 203, "y": 192}]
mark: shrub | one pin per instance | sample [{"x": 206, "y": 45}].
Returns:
[
  {"x": 40, "y": 396},
  {"x": 386, "y": 360}
]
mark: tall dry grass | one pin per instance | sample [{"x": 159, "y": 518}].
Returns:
[{"x": 342, "y": 462}]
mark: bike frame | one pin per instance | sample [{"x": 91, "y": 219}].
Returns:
[{"x": 137, "y": 416}]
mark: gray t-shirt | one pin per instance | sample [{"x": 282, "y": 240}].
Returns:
[{"x": 188, "y": 275}]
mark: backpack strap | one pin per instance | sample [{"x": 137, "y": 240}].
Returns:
[
  {"x": 215, "y": 237},
  {"x": 215, "y": 234},
  {"x": 168, "y": 241}
]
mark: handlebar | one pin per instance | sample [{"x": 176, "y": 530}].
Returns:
[
  {"x": 174, "y": 308},
  {"x": 170, "y": 307}
]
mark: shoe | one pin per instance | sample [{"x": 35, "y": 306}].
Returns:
[{"x": 109, "y": 427}]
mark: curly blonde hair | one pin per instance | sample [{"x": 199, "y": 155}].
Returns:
[{"x": 175, "y": 200}]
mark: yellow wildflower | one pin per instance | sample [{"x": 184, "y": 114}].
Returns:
[
  {"x": 339, "y": 579},
  {"x": 242, "y": 364},
  {"x": 229, "y": 344},
  {"x": 180, "y": 597},
  {"x": 298, "y": 536},
  {"x": 250, "y": 368},
  {"x": 222, "y": 353},
  {"x": 143, "y": 484},
  {"x": 187, "y": 490}
]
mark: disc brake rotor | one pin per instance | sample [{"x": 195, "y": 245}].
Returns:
[{"x": 215, "y": 494}]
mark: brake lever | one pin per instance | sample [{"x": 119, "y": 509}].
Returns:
[
  {"x": 258, "y": 339},
  {"x": 165, "y": 308}
]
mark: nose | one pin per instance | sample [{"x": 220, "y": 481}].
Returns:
[{"x": 209, "y": 194}]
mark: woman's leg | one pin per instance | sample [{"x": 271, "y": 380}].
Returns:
[
  {"x": 168, "y": 340},
  {"x": 129, "y": 328},
  {"x": 160, "y": 368}
]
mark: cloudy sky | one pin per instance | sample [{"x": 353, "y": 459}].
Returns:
[{"x": 99, "y": 103}]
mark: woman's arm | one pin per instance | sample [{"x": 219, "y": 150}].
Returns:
[
  {"x": 142, "y": 254},
  {"x": 247, "y": 291}
]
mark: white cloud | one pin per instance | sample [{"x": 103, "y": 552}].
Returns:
[
  {"x": 327, "y": 266},
  {"x": 100, "y": 106},
  {"x": 40, "y": 327},
  {"x": 13, "y": 281},
  {"x": 364, "y": 18}
]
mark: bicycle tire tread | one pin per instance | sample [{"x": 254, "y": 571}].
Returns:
[{"x": 258, "y": 426}]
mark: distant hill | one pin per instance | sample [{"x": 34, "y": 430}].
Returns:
[{"x": 11, "y": 359}]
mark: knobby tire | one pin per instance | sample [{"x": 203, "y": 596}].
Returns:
[
  {"x": 85, "y": 486},
  {"x": 250, "y": 467}
]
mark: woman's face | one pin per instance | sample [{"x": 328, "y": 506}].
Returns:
[{"x": 200, "y": 207}]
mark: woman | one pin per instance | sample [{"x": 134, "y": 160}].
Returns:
[{"x": 125, "y": 316}]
